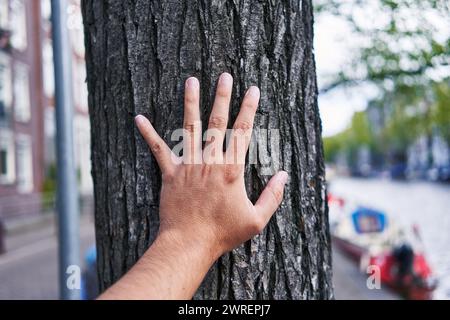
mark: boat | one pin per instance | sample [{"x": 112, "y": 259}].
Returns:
[{"x": 368, "y": 237}]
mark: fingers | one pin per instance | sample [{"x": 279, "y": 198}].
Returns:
[
  {"x": 218, "y": 120},
  {"x": 271, "y": 197},
  {"x": 192, "y": 137},
  {"x": 159, "y": 148},
  {"x": 242, "y": 129}
]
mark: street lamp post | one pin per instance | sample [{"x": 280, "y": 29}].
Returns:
[{"x": 67, "y": 193}]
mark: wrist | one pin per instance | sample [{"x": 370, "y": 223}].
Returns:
[
  {"x": 172, "y": 268},
  {"x": 194, "y": 247}
]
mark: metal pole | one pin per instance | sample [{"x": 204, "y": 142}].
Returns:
[{"x": 67, "y": 193}]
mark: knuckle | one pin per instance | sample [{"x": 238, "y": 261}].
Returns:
[
  {"x": 243, "y": 125},
  {"x": 167, "y": 177},
  {"x": 206, "y": 170},
  {"x": 232, "y": 172},
  {"x": 217, "y": 122},
  {"x": 190, "y": 127},
  {"x": 257, "y": 226},
  {"x": 156, "y": 147},
  {"x": 277, "y": 194}
]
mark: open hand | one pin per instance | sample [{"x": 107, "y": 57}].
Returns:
[
  {"x": 203, "y": 196},
  {"x": 204, "y": 208}
]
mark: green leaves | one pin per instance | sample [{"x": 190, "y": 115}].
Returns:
[{"x": 403, "y": 48}]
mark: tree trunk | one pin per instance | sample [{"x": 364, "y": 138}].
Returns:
[{"x": 139, "y": 53}]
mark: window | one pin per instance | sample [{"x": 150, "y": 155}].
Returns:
[
  {"x": 49, "y": 135},
  {"x": 4, "y": 12},
  {"x": 24, "y": 164},
  {"x": 21, "y": 93},
  {"x": 5, "y": 89},
  {"x": 75, "y": 26},
  {"x": 7, "y": 170},
  {"x": 46, "y": 9},
  {"x": 18, "y": 24},
  {"x": 79, "y": 85},
  {"x": 83, "y": 154},
  {"x": 46, "y": 15},
  {"x": 3, "y": 161},
  {"x": 48, "y": 71}
]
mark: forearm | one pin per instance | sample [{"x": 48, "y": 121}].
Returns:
[{"x": 172, "y": 268}]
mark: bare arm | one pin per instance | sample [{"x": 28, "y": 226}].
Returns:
[{"x": 204, "y": 208}]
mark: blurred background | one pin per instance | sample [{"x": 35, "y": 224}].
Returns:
[
  {"x": 28, "y": 234},
  {"x": 384, "y": 77}
]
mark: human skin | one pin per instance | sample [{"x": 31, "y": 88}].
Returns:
[{"x": 204, "y": 208}]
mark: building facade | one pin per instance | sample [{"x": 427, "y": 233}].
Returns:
[{"x": 27, "y": 129}]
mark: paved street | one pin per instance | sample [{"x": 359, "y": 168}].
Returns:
[
  {"x": 29, "y": 270},
  {"x": 350, "y": 283}
]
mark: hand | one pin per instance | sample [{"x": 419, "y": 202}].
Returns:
[
  {"x": 203, "y": 196},
  {"x": 204, "y": 209}
]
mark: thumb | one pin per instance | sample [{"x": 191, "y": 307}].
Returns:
[{"x": 271, "y": 197}]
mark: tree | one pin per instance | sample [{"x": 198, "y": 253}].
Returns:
[{"x": 138, "y": 55}]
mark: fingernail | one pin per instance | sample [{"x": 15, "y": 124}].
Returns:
[
  {"x": 139, "y": 119},
  {"x": 253, "y": 91},
  {"x": 225, "y": 79},
  {"x": 282, "y": 177},
  {"x": 192, "y": 83}
]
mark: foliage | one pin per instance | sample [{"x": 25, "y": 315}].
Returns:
[
  {"x": 404, "y": 50},
  {"x": 347, "y": 142},
  {"x": 401, "y": 40},
  {"x": 49, "y": 187}
]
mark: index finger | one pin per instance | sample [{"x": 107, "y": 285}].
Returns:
[{"x": 159, "y": 148}]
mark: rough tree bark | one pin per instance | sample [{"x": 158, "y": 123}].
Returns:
[{"x": 139, "y": 53}]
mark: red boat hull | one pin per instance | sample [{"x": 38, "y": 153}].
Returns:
[{"x": 414, "y": 288}]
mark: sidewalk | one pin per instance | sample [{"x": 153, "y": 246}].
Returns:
[
  {"x": 25, "y": 231},
  {"x": 29, "y": 268}
]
